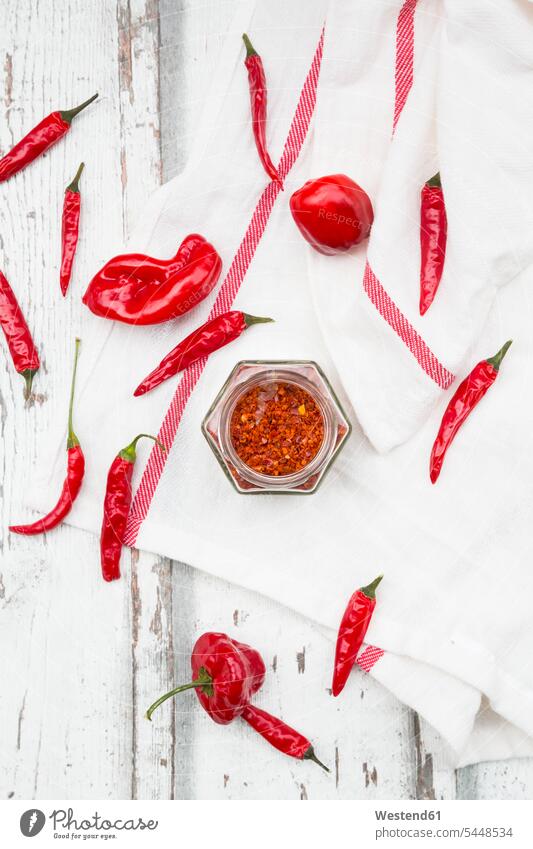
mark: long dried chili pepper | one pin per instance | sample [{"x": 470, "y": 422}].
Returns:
[
  {"x": 225, "y": 676},
  {"x": 117, "y": 502},
  {"x": 352, "y": 630},
  {"x": 74, "y": 477},
  {"x": 258, "y": 103},
  {"x": 18, "y": 337},
  {"x": 70, "y": 227},
  {"x": 140, "y": 289},
  {"x": 39, "y": 139},
  {"x": 465, "y": 398},
  {"x": 280, "y": 735},
  {"x": 433, "y": 232},
  {"x": 209, "y": 337}
]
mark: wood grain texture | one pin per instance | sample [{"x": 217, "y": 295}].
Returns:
[{"x": 81, "y": 660}]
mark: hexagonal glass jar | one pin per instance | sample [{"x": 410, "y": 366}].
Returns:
[{"x": 307, "y": 376}]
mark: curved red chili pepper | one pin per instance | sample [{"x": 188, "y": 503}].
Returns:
[
  {"x": 18, "y": 337},
  {"x": 465, "y": 398},
  {"x": 39, "y": 139},
  {"x": 226, "y": 674},
  {"x": 70, "y": 229},
  {"x": 352, "y": 630},
  {"x": 117, "y": 502},
  {"x": 74, "y": 477},
  {"x": 139, "y": 289},
  {"x": 258, "y": 104},
  {"x": 433, "y": 233},
  {"x": 209, "y": 337}
]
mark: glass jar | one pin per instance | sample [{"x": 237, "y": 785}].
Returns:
[{"x": 264, "y": 383}]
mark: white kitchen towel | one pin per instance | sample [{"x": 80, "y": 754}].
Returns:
[{"x": 454, "y": 81}]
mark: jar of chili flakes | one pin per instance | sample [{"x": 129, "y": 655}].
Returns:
[{"x": 276, "y": 426}]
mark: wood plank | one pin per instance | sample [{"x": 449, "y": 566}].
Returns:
[
  {"x": 69, "y": 670},
  {"x": 512, "y": 779}
]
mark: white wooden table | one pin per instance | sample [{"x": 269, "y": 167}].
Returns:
[{"x": 76, "y": 678}]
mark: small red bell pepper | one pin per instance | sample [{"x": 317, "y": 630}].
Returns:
[{"x": 332, "y": 213}]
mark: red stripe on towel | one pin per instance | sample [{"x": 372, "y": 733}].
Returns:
[
  {"x": 369, "y": 657},
  {"x": 405, "y": 330},
  {"x": 403, "y": 79}
]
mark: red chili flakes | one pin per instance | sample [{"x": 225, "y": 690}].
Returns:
[{"x": 276, "y": 428}]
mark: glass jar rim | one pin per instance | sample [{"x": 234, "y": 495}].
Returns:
[{"x": 280, "y": 481}]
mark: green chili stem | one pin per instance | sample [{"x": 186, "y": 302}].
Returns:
[
  {"x": 496, "y": 360},
  {"x": 75, "y": 185},
  {"x": 169, "y": 695},
  {"x": 69, "y": 114},
  {"x": 434, "y": 182},
  {"x": 204, "y": 680},
  {"x": 254, "y": 319},
  {"x": 129, "y": 452},
  {"x": 310, "y": 756},
  {"x": 72, "y": 438},
  {"x": 249, "y": 46},
  {"x": 370, "y": 590},
  {"x": 28, "y": 376}
]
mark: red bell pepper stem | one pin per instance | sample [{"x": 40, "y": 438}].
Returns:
[
  {"x": 204, "y": 681},
  {"x": 74, "y": 477},
  {"x": 465, "y": 398},
  {"x": 352, "y": 630}
]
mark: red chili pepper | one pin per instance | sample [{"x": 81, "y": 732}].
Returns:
[
  {"x": 465, "y": 398},
  {"x": 139, "y": 289},
  {"x": 117, "y": 502},
  {"x": 18, "y": 337},
  {"x": 281, "y": 736},
  {"x": 353, "y": 627},
  {"x": 332, "y": 213},
  {"x": 39, "y": 139},
  {"x": 209, "y": 337},
  {"x": 226, "y": 674},
  {"x": 258, "y": 102},
  {"x": 74, "y": 477},
  {"x": 433, "y": 231},
  {"x": 70, "y": 229}
]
